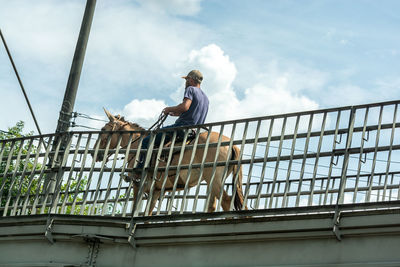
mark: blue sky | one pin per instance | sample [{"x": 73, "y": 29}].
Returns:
[{"x": 258, "y": 57}]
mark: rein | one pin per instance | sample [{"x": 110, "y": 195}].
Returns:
[{"x": 157, "y": 125}]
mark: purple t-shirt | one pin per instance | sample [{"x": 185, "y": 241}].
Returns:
[{"x": 198, "y": 110}]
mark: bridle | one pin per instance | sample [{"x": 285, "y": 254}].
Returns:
[
  {"x": 157, "y": 125},
  {"x": 121, "y": 124}
]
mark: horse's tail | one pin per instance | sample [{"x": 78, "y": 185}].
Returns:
[{"x": 239, "y": 199}]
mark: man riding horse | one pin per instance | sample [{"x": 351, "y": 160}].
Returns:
[{"x": 192, "y": 111}]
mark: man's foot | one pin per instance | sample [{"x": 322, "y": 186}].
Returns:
[
  {"x": 137, "y": 171},
  {"x": 126, "y": 178}
]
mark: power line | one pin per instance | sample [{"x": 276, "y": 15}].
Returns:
[{"x": 20, "y": 83}]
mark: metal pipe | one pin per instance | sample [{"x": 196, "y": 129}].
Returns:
[{"x": 76, "y": 69}]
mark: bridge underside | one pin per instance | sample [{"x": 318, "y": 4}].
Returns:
[{"x": 368, "y": 234}]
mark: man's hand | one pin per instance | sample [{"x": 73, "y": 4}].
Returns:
[
  {"x": 169, "y": 111},
  {"x": 179, "y": 109}
]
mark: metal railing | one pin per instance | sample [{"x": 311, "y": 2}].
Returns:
[{"x": 316, "y": 158}]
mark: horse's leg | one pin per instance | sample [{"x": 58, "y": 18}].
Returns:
[
  {"x": 154, "y": 198},
  {"x": 212, "y": 204},
  {"x": 135, "y": 193},
  {"x": 217, "y": 186}
]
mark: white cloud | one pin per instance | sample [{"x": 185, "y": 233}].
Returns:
[
  {"x": 271, "y": 96},
  {"x": 178, "y": 7},
  {"x": 264, "y": 100},
  {"x": 135, "y": 51},
  {"x": 143, "y": 112}
]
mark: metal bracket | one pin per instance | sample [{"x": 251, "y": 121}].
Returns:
[
  {"x": 92, "y": 237},
  {"x": 337, "y": 160},
  {"x": 48, "y": 233},
  {"x": 340, "y": 139},
  {"x": 365, "y": 158},
  {"x": 131, "y": 237},
  {"x": 336, "y": 222},
  {"x": 366, "y": 139},
  {"x": 94, "y": 242},
  {"x": 94, "y": 247}
]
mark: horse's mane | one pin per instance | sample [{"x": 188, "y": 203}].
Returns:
[{"x": 132, "y": 124}]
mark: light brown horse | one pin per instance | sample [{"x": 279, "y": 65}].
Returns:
[{"x": 117, "y": 123}]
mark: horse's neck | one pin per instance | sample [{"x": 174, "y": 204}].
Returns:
[{"x": 134, "y": 139}]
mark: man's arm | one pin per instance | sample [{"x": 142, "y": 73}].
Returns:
[{"x": 179, "y": 109}]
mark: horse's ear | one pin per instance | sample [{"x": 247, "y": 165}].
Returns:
[{"x": 109, "y": 115}]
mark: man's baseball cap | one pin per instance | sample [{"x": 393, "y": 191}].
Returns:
[{"x": 195, "y": 75}]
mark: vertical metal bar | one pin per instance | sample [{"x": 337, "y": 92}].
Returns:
[
  {"x": 238, "y": 167},
  {"x": 189, "y": 173},
  {"x": 379, "y": 191},
  {"x": 165, "y": 178},
  {"x": 60, "y": 175},
  {"x": 278, "y": 158},
  {"x": 22, "y": 179},
  {"x": 126, "y": 157},
  {"x": 80, "y": 175},
  {"x": 32, "y": 176},
  {"x": 182, "y": 152},
  {"x": 304, "y": 159},
  {"x": 333, "y": 190},
  {"x": 346, "y": 157},
  {"x": 214, "y": 169},
  {"x": 100, "y": 178},
  {"x": 227, "y": 163},
  {"x": 89, "y": 181},
  {"x": 253, "y": 154},
  {"x": 310, "y": 199},
  {"x": 378, "y": 132},
  {"x": 332, "y": 158},
  {"x": 205, "y": 152},
  {"x": 41, "y": 178},
  {"x": 390, "y": 151},
  {"x": 131, "y": 184},
  {"x": 392, "y": 190},
  {"x": 143, "y": 180},
  {"x": 287, "y": 184},
  {"x": 278, "y": 190},
  {"x": 320, "y": 194},
  {"x": 108, "y": 191},
  {"x": 154, "y": 178},
  {"x": 260, "y": 185},
  {"x": 50, "y": 180},
  {"x": 68, "y": 184},
  {"x": 13, "y": 180},
  {"x": 361, "y": 153},
  {"x": 10, "y": 155},
  {"x": 3, "y": 148}
]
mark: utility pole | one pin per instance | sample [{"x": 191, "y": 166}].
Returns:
[
  {"x": 75, "y": 73},
  {"x": 70, "y": 95}
]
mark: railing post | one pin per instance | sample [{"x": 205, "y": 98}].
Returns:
[
  {"x": 343, "y": 179},
  {"x": 73, "y": 82}
]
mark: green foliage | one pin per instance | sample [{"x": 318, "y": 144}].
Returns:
[
  {"x": 15, "y": 174},
  {"x": 20, "y": 172},
  {"x": 78, "y": 185}
]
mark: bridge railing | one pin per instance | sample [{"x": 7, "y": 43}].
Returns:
[{"x": 315, "y": 158}]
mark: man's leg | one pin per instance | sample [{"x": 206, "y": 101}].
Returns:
[
  {"x": 157, "y": 141},
  {"x": 142, "y": 156}
]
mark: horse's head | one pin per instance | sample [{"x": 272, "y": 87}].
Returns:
[{"x": 116, "y": 124}]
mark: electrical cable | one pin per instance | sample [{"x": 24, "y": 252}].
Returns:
[{"x": 20, "y": 82}]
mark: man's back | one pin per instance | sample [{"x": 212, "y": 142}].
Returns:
[{"x": 198, "y": 110}]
